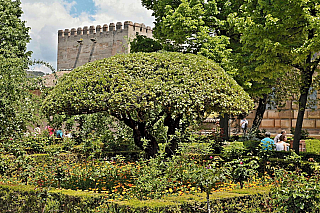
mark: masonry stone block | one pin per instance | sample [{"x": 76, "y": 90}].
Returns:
[
  {"x": 317, "y": 123},
  {"x": 287, "y": 105},
  {"x": 307, "y": 123},
  {"x": 286, "y": 114},
  {"x": 285, "y": 123},
  {"x": 272, "y": 114},
  {"x": 294, "y": 105},
  {"x": 89, "y": 44},
  {"x": 267, "y": 123},
  {"x": 314, "y": 114},
  {"x": 295, "y": 114},
  {"x": 251, "y": 114},
  {"x": 277, "y": 123}
]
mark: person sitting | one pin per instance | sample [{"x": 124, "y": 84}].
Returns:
[
  {"x": 51, "y": 130},
  {"x": 277, "y": 138},
  {"x": 267, "y": 144},
  {"x": 68, "y": 134},
  {"x": 59, "y": 134},
  {"x": 282, "y": 145}
]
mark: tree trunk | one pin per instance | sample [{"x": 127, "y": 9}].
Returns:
[
  {"x": 304, "y": 89},
  {"x": 224, "y": 125},
  {"x": 140, "y": 133},
  {"x": 172, "y": 125},
  {"x": 259, "y": 113},
  {"x": 302, "y": 107}
]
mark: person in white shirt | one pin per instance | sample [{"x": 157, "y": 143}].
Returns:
[
  {"x": 37, "y": 130},
  {"x": 282, "y": 145},
  {"x": 244, "y": 125},
  {"x": 68, "y": 134}
]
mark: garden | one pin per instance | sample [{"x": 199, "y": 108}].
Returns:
[
  {"x": 44, "y": 174},
  {"x": 135, "y": 119},
  {"x": 146, "y": 153}
]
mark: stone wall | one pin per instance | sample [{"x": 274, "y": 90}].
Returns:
[
  {"x": 275, "y": 120},
  {"x": 79, "y": 46}
]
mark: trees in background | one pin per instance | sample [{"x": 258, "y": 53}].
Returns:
[
  {"x": 209, "y": 28},
  {"x": 149, "y": 92},
  {"x": 260, "y": 45},
  {"x": 15, "y": 100},
  {"x": 284, "y": 35}
]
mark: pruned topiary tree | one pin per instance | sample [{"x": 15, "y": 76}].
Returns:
[{"x": 145, "y": 90}]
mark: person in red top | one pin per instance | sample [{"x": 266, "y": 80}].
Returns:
[{"x": 51, "y": 130}]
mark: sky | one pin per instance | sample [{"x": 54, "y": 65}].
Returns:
[{"x": 46, "y": 17}]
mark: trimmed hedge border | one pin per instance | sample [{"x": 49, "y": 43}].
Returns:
[{"x": 22, "y": 198}]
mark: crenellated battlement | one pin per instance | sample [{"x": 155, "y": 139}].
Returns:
[
  {"x": 77, "y": 46},
  {"x": 97, "y": 30}
]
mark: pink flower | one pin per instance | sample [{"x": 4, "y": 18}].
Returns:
[
  {"x": 210, "y": 157},
  {"x": 241, "y": 162},
  {"x": 11, "y": 139}
]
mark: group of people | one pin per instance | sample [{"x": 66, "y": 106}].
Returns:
[
  {"x": 53, "y": 133},
  {"x": 279, "y": 142}
]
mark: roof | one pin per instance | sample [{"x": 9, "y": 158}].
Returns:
[{"x": 51, "y": 79}]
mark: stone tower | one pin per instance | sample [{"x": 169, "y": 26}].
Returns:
[{"x": 79, "y": 46}]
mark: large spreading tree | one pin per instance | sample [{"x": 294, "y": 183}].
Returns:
[
  {"x": 14, "y": 59},
  {"x": 147, "y": 91}
]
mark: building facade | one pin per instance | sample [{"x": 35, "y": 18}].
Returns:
[{"x": 82, "y": 45}]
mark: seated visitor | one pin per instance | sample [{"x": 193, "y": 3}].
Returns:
[
  {"x": 267, "y": 143},
  {"x": 50, "y": 130},
  {"x": 277, "y": 138},
  {"x": 59, "y": 133},
  {"x": 282, "y": 145},
  {"x": 68, "y": 134}
]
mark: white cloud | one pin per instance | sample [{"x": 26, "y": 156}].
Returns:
[
  {"x": 123, "y": 10},
  {"x": 46, "y": 17}
]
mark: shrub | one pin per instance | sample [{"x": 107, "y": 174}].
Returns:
[
  {"x": 295, "y": 193},
  {"x": 252, "y": 146},
  {"x": 21, "y": 199},
  {"x": 233, "y": 150},
  {"x": 313, "y": 146}
]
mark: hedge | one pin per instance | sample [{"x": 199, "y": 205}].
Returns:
[{"x": 22, "y": 198}]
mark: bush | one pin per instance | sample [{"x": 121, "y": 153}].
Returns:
[
  {"x": 21, "y": 199},
  {"x": 295, "y": 193},
  {"x": 253, "y": 147},
  {"x": 233, "y": 150},
  {"x": 313, "y": 146}
]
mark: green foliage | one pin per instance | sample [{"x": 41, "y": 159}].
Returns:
[
  {"x": 148, "y": 90},
  {"x": 313, "y": 145},
  {"x": 15, "y": 103},
  {"x": 26, "y": 199},
  {"x": 279, "y": 41},
  {"x": 253, "y": 147},
  {"x": 234, "y": 150},
  {"x": 143, "y": 44},
  {"x": 295, "y": 193},
  {"x": 242, "y": 170}
]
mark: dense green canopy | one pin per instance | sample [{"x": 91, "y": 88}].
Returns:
[
  {"x": 142, "y": 88},
  {"x": 15, "y": 100}
]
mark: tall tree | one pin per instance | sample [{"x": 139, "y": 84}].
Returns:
[
  {"x": 210, "y": 28},
  {"x": 147, "y": 91},
  {"x": 285, "y": 35},
  {"x": 14, "y": 59}
]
